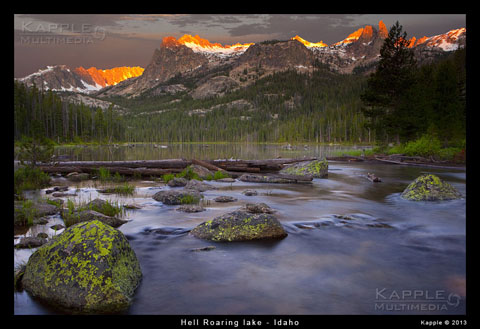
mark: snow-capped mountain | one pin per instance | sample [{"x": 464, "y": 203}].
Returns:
[
  {"x": 62, "y": 78},
  {"x": 198, "y": 58}
]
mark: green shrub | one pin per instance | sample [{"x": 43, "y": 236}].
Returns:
[
  {"x": 189, "y": 174},
  {"x": 26, "y": 213},
  {"x": 425, "y": 146},
  {"x": 189, "y": 199},
  {"x": 108, "y": 208},
  {"x": 125, "y": 189},
  {"x": 168, "y": 177},
  {"x": 29, "y": 178},
  {"x": 220, "y": 174},
  {"x": 104, "y": 174}
]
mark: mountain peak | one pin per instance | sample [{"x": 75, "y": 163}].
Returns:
[
  {"x": 169, "y": 42},
  {"x": 382, "y": 30},
  {"x": 198, "y": 44},
  {"x": 310, "y": 44}
]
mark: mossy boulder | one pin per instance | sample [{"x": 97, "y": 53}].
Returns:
[
  {"x": 89, "y": 268},
  {"x": 240, "y": 226},
  {"x": 315, "y": 168},
  {"x": 430, "y": 187},
  {"x": 177, "y": 197}
]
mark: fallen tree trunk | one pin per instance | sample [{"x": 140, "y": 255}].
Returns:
[
  {"x": 207, "y": 165},
  {"x": 347, "y": 158},
  {"x": 418, "y": 164},
  {"x": 168, "y": 166},
  {"x": 242, "y": 169},
  {"x": 161, "y": 164},
  {"x": 146, "y": 172}
]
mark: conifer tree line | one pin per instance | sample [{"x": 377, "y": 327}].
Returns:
[
  {"x": 44, "y": 113},
  {"x": 283, "y": 107}
]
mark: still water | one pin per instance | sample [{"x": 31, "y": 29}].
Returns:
[
  {"x": 198, "y": 151},
  {"x": 353, "y": 247}
]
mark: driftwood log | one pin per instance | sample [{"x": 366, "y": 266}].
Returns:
[{"x": 234, "y": 167}]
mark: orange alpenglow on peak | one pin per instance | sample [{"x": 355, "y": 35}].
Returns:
[
  {"x": 196, "y": 43},
  {"x": 169, "y": 41},
  {"x": 351, "y": 38},
  {"x": 382, "y": 29},
  {"x": 367, "y": 32},
  {"x": 310, "y": 44},
  {"x": 111, "y": 76}
]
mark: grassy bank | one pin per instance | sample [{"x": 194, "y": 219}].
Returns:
[{"x": 426, "y": 146}]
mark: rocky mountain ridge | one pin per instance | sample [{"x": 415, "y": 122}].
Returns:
[
  {"x": 63, "y": 78},
  {"x": 213, "y": 68}
]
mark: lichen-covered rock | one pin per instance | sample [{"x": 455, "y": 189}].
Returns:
[
  {"x": 240, "y": 226},
  {"x": 315, "y": 168},
  {"x": 89, "y": 268},
  {"x": 429, "y": 187},
  {"x": 178, "y": 197}
]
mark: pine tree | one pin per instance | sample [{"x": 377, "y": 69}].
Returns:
[{"x": 387, "y": 86}]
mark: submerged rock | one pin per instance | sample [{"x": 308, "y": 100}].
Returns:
[
  {"x": 255, "y": 178},
  {"x": 240, "y": 226},
  {"x": 250, "y": 192},
  {"x": 31, "y": 242},
  {"x": 258, "y": 208},
  {"x": 89, "y": 268},
  {"x": 225, "y": 198},
  {"x": 178, "y": 197},
  {"x": 199, "y": 186},
  {"x": 430, "y": 187},
  {"x": 315, "y": 168},
  {"x": 191, "y": 208}
]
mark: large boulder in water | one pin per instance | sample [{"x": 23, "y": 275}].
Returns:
[
  {"x": 240, "y": 226},
  {"x": 89, "y": 268},
  {"x": 429, "y": 187},
  {"x": 315, "y": 168}
]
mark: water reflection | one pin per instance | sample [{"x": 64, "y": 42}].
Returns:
[{"x": 198, "y": 151}]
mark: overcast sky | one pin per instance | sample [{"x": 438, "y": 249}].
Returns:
[{"x": 107, "y": 41}]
